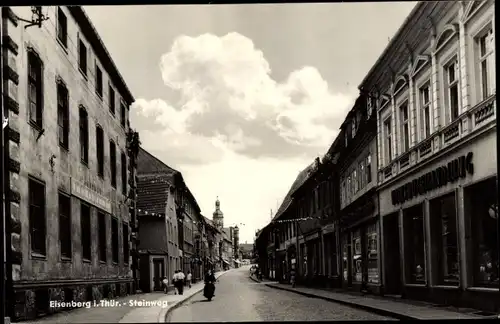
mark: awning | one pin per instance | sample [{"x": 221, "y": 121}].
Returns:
[
  {"x": 237, "y": 261},
  {"x": 225, "y": 261}
]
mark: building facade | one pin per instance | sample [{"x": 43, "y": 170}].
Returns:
[
  {"x": 69, "y": 197},
  {"x": 358, "y": 214},
  {"x": 437, "y": 167}
]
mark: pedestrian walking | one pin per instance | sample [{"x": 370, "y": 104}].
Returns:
[
  {"x": 165, "y": 285},
  {"x": 189, "y": 277},
  {"x": 181, "y": 281},
  {"x": 175, "y": 282}
]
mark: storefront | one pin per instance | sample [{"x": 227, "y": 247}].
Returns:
[
  {"x": 330, "y": 256},
  {"x": 440, "y": 228},
  {"x": 360, "y": 245}
]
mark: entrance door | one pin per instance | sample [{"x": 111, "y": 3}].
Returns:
[
  {"x": 392, "y": 255},
  {"x": 158, "y": 274}
]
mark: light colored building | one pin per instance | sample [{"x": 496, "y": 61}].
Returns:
[
  {"x": 437, "y": 164},
  {"x": 69, "y": 195}
]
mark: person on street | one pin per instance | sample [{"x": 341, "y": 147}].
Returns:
[
  {"x": 165, "y": 284},
  {"x": 181, "y": 281},
  {"x": 175, "y": 280},
  {"x": 189, "y": 277},
  {"x": 210, "y": 279}
]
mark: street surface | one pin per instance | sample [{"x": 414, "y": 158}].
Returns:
[{"x": 238, "y": 298}]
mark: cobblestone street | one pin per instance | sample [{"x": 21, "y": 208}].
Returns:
[{"x": 238, "y": 298}]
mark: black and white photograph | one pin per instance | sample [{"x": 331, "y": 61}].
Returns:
[{"x": 248, "y": 162}]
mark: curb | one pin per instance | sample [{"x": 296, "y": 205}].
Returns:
[
  {"x": 371, "y": 309},
  {"x": 164, "y": 313}
]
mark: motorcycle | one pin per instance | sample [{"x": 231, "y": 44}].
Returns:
[{"x": 208, "y": 290}]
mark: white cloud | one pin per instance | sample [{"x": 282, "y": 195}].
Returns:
[{"x": 235, "y": 130}]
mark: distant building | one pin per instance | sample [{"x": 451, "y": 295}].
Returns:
[{"x": 69, "y": 234}]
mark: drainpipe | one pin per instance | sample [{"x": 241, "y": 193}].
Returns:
[{"x": 3, "y": 281}]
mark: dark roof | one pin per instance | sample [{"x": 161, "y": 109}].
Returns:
[
  {"x": 152, "y": 193},
  {"x": 301, "y": 178},
  {"x": 91, "y": 35},
  {"x": 149, "y": 164}
]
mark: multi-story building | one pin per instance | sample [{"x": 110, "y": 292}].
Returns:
[
  {"x": 156, "y": 209},
  {"x": 358, "y": 214},
  {"x": 68, "y": 207},
  {"x": 437, "y": 168}
]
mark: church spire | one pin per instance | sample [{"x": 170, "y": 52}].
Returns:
[{"x": 218, "y": 216}]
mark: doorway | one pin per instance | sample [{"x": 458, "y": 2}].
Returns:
[
  {"x": 392, "y": 255},
  {"x": 158, "y": 274}
]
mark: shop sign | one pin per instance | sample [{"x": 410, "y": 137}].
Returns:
[
  {"x": 441, "y": 176},
  {"x": 94, "y": 198}
]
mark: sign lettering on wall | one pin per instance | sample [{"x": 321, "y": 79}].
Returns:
[
  {"x": 441, "y": 176},
  {"x": 83, "y": 192}
]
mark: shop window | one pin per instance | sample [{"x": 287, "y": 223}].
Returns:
[
  {"x": 37, "y": 218},
  {"x": 414, "y": 244},
  {"x": 101, "y": 219},
  {"x": 444, "y": 239},
  {"x": 65, "y": 225},
  {"x": 357, "y": 259},
  {"x": 345, "y": 257},
  {"x": 114, "y": 239},
  {"x": 482, "y": 211},
  {"x": 85, "y": 231},
  {"x": 372, "y": 253}
]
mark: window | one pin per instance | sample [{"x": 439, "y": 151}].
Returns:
[
  {"x": 114, "y": 238},
  {"x": 481, "y": 209},
  {"x": 98, "y": 81},
  {"x": 353, "y": 127},
  {"x": 368, "y": 169},
  {"x": 405, "y": 127},
  {"x": 414, "y": 241},
  {"x": 425, "y": 114},
  {"x": 388, "y": 140},
  {"x": 112, "y": 102},
  {"x": 62, "y": 27},
  {"x": 125, "y": 244},
  {"x": 355, "y": 181},
  {"x": 451, "y": 98},
  {"x": 444, "y": 237},
  {"x": 35, "y": 86},
  {"x": 63, "y": 115},
  {"x": 100, "y": 150},
  {"x": 362, "y": 175},
  {"x": 369, "y": 107},
  {"x": 343, "y": 193},
  {"x": 101, "y": 221},
  {"x": 349, "y": 189},
  {"x": 65, "y": 225},
  {"x": 123, "y": 113},
  {"x": 124, "y": 173},
  {"x": 84, "y": 136},
  {"x": 82, "y": 57},
  {"x": 86, "y": 231},
  {"x": 486, "y": 47},
  {"x": 37, "y": 216},
  {"x": 112, "y": 161}
]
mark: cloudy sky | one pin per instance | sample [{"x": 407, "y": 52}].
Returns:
[{"x": 241, "y": 98}]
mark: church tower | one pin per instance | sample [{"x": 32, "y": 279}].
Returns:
[{"x": 218, "y": 216}]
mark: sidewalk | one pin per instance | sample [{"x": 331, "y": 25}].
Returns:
[
  {"x": 399, "y": 309},
  {"x": 126, "y": 313}
]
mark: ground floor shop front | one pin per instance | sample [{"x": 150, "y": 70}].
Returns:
[{"x": 439, "y": 229}]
